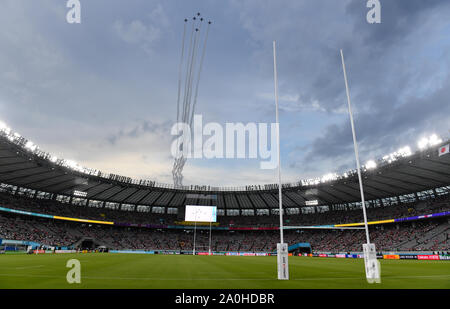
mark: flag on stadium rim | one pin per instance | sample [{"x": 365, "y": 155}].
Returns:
[{"x": 444, "y": 149}]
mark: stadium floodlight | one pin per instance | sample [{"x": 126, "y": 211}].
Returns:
[
  {"x": 422, "y": 143},
  {"x": 404, "y": 152},
  {"x": 370, "y": 164},
  {"x": 312, "y": 203},
  {"x": 329, "y": 177},
  {"x": 53, "y": 159},
  {"x": 29, "y": 145},
  {"x": 76, "y": 167},
  {"x": 79, "y": 193},
  {"x": 386, "y": 158},
  {"x": 371, "y": 263},
  {"x": 72, "y": 163},
  {"x": 434, "y": 140},
  {"x": 6, "y": 130},
  {"x": 401, "y": 153}
]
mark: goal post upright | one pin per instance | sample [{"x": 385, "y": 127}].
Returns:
[
  {"x": 355, "y": 146},
  {"x": 280, "y": 202},
  {"x": 282, "y": 248},
  {"x": 210, "y": 230},
  {"x": 195, "y": 230},
  {"x": 370, "y": 259}
]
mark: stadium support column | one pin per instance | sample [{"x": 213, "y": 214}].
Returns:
[
  {"x": 282, "y": 248},
  {"x": 370, "y": 256}
]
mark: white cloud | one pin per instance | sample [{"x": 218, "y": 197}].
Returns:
[
  {"x": 159, "y": 16},
  {"x": 144, "y": 33},
  {"x": 293, "y": 103},
  {"x": 234, "y": 174},
  {"x": 68, "y": 95},
  {"x": 136, "y": 32}
]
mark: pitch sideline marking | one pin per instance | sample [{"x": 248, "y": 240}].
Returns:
[
  {"x": 23, "y": 267},
  {"x": 221, "y": 279}
]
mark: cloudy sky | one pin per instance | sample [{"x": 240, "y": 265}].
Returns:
[{"x": 104, "y": 92}]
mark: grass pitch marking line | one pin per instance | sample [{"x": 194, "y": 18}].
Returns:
[
  {"x": 27, "y": 267},
  {"x": 130, "y": 278},
  {"x": 223, "y": 279},
  {"x": 23, "y": 267},
  {"x": 382, "y": 277}
]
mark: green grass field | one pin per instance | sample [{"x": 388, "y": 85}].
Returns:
[{"x": 142, "y": 271}]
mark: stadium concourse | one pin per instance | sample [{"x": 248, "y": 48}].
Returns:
[{"x": 52, "y": 202}]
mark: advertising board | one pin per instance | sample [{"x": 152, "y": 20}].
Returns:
[{"x": 428, "y": 257}]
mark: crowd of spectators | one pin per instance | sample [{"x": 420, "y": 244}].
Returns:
[
  {"x": 344, "y": 216},
  {"x": 404, "y": 236},
  {"x": 416, "y": 235},
  {"x": 53, "y": 207}
]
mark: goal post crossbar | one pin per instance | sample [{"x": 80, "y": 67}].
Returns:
[{"x": 322, "y": 228}]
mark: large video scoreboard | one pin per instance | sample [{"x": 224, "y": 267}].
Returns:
[{"x": 201, "y": 213}]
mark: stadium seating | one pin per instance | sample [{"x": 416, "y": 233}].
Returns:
[
  {"x": 404, "y": 237},
  {"x": 416, "y": 235},
  {"x": 330, "y": 217}
]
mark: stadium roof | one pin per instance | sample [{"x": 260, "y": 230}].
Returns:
[{"x": 421, "y": 171}]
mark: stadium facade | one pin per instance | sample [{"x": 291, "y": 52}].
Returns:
[{"x": 405, "y": 178}]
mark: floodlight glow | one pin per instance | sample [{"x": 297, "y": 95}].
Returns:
[
  {"x": 371, "y": 164},
  {"x": 405, "y": 151},
  {"x": 73, "y": 165},
  {"x": 422, "y": 143},
  {"x": 29, "y": 145},
  {"x": 329, "y": 177},
  {"x": 434, "y": 140},
  {"x": 79, "y": 193},
  {"x": 427, "y": 142},
  {"x": 312, "y": 203},
  {"x": 16, "y": 138}
]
